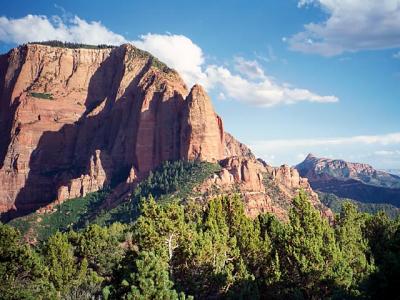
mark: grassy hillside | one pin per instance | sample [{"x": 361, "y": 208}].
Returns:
[{"x": 172, "y": 180}]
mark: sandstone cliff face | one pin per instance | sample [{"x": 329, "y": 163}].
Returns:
[
  {"x": 236, "y": 148},
  {"x": 202, "y": 135},
  {"x": 76, "y": 120}
]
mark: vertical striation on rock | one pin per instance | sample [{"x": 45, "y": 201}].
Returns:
[
  {"x": 202, "y": 132},
  {"x": 73, "y": 120}
]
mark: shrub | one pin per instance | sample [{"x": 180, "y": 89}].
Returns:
[{"x": 47, "y": 96}]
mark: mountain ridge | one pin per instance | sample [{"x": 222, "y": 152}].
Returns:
[
  {"x": 356, "y": 181},
  {"x": 347, "y": 170}
]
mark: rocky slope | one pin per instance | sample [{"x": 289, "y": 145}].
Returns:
[
  {"x": 76, "y": 120},
  {"x": 356, "y": 181},
  {"x": 264, "y": 188}
]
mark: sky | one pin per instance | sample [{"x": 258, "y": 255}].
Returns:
[{"x": 288, "y": 77}]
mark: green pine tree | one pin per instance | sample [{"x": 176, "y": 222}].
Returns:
[
  {"x": 150, "y": 280},
  {"x": 354, "y": 247},
  {"x": 311, "y": 259},
  {"x": 64, "y": 269}
]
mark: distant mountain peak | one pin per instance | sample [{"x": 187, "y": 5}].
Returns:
[
  {"x": 311, "y": 156},
  {"x": 352, "y": 180}
]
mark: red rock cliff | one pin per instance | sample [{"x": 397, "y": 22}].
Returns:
[
  {"x": 73, "y": 120},
  {"x": 202, "y": 135}
]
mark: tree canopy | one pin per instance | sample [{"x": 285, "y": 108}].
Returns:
[{"x": 209, "y": 250}]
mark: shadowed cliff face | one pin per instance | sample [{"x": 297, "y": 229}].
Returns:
[{"x": 10, "y": 66}]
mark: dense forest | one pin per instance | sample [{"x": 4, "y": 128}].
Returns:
[{"x": 209, "y": 251}]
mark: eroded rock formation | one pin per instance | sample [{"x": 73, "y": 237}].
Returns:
[
  {"x": 75, "y": 120},
  {"x": 264, "y": 188}
]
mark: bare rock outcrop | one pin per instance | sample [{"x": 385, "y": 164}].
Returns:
[
  {"x": 264, "y": 188},
  {"x": 351, "y": 180},
  {"x": 202, "y": 134},
  {"x": 93, "y": 180},
  {"x": 235, "y": 148},
  {"x": 244, "y": 172}
]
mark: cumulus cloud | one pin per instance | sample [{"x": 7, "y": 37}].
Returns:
[
  {"x": 265, "y": 92},
  {"x": 41, "y": 28},
  {"x": 249, "y": 68},
  {"x": 177, "y": 51},
  {"x": 351, "y": 25},
  {"x": 248, "y": 84}
]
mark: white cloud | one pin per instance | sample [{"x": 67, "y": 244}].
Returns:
[
  {"x": 386, "y": 139},
  {"x": 250, "y": 84},
  {"x": 249, "y": 68},
  {"x": 41, "y": 28},
  {"x": 221, "y": 96},
  {"x": 352, "y": 25},
  {"x": 178, "y": 52},
  {"x": 304, "y": 3},
  {"x": 263, "y": 93}
]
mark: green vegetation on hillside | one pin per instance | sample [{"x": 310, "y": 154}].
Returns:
[
  {"x": 209, "y": 251},
  {"x": 172, "y": 180},
  {"x": 70, "y": 45},
  {"x": 155, "y": 62},
  {"x": 134, "y": 52},
  {"x": 74, "y": 213},
  {"x": 335, "y": 203},
  {"x": 47, "y": 96}
]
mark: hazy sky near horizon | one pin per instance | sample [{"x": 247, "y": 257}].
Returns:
[{"x": 288, "y": 77}]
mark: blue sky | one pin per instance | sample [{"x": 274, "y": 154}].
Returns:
[{"x": 288, "y": 77}]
